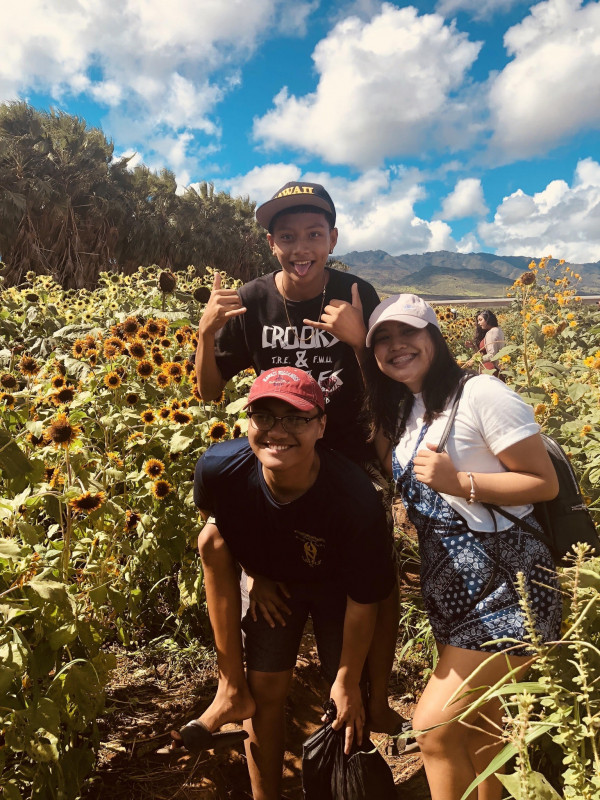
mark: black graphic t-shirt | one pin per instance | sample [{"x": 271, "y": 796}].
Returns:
[
  {"x": 263, "y": 338},
  {"x": 336, "y": 532}
]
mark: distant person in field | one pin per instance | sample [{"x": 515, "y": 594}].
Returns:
[
  {"x": 307, "y": 526},
  {"x": 310, "y": 317},
  {"x": 488, "y": 340}
]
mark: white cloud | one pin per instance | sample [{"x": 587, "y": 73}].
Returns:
[
  {"x": 551, "y": 88},
  {"x": 154, "y": 66},
  {"x": 562, "y": 220},
  {"x": 374, "y": 211},
  {"x": 465, "y": 200},
  {"x": 478, "y": 9},
  {"x": 383, "y": 88}
]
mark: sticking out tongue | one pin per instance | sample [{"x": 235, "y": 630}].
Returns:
[{"x": 302, "y": 269}]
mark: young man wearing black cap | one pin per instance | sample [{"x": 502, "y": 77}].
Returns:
[
  {"x": 308, "y": 521},
  {"x": 310, "y": 317}
]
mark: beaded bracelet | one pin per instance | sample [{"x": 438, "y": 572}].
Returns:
[{"x": 471, "y": 498}]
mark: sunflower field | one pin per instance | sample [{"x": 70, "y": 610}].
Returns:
[{"x": 101, "y": 425}]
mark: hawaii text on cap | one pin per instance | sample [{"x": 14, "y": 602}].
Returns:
[
  {"x": 407, "y": 308},
  {"x": 293, "y": 194},
  {"x": 293, "y": 386}
]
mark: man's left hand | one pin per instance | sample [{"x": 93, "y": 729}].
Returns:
[{"x": 344, "y": 320}]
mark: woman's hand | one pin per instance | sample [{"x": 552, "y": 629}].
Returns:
[
  {"x": 267, "y": 595},
  {"x": 437, "y": 471}
]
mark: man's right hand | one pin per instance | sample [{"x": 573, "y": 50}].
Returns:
[
  {"x": 222, "y": 305},
  {"x": 267, "y": 595}
]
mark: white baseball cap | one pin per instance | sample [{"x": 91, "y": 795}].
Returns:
[{"x": 407, "y": 308}]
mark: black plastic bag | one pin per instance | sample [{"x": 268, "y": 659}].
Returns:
[{"x": 329, "y": 774}]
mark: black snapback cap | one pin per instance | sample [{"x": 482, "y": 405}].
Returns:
[{"x": 294, "y": 194}]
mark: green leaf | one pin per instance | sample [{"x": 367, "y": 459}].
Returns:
[
  {"x": 180, "y": 441},
  {"x": 236, "y": 406},
  {"x": 62, "y": 636},
  {"x": 10, "y": 549},
  {"x": 576, "y": 391},
  {"x": 13, "y": 461},
  {"x": 537, "y": 786},
  {"x": 6, "y": 678}
]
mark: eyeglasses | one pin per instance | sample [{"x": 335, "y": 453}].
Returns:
[{"x": 264, "y": 421}]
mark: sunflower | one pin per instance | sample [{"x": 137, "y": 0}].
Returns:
[
  {"x": 57, "y": 382},
  {"x": 36, "y": 441},
  {"x": 7, "y": 399},
  {"x": 145, "y": 368},
  {"x": 163, "y": 379},
  {"x": 180, "y": 336},
  {"x": 154, "y": 468},
  {"x": 92, "y": 356},
  {"x": 131, "y": 520},
  {"x": 218, "y": 431},
  {"x": 8, "y": 381},
  {"x": 148, "y": 416},
  {"x": 87, "y": 502},
  {"x": 110, "y": 351},
  {"x": 189, "y": 367},
  {"x": 181, "y": 417},
  {"x": 79, "y": 348},
  {"x": 29, "y": 366},
  {"x": 174, "y": 370},
  {"x": 63, "y": 397},
  {"x": 61, "y": 432},
  {"x": 116, "y": 460},
  {"x": 132, "y": 399},
  {"x": 196, "y": 394},
  {"x": 164, "y": 412},
  {"x": 112, "y": 380},
  {"x": 236, "y": 431},
  {"x": 137, "y": 349},
  {"x": 158, "y": 358},
  {"x": 130, "y": 327},
  {"x": 175, "y": 404},
  {"x": 165, "y": 342},
  {"x": 161, "y": 488},
  {"x": 153, "y": 328}
]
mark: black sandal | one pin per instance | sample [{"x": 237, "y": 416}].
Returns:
[{"x": 196, "y": 738}]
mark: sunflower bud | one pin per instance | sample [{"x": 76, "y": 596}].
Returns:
[
  {"x": 527, "y": 278},
  {"x": 202, "y": 294},
  {"x": 167, "y": 281}
]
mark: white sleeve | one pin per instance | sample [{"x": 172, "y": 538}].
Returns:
[
  {"x": 494, "y": 341},
  {"x": 501, "y": 416}
]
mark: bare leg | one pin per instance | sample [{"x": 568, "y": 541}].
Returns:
[
  {"x": 233, "y": 700},
  {"x": 455, "y": 753},
  {"x": 266, "y": 729},
  {"x": 380, "y": 661}
]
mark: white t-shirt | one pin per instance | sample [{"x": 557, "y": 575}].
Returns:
[{"x": 490, "y": 418}]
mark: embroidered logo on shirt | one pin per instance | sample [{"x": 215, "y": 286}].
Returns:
[{"x": 312, "y": 548}]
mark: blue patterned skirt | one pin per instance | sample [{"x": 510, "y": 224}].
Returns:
[{"x": 468, "y": 580}]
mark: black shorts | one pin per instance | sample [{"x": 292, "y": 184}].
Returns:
[{"x": 276, "y": 649}]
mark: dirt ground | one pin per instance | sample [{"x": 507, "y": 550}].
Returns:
[{"x": 146, "y": 701}]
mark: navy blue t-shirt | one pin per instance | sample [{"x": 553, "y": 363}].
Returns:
[{"x": 336, "y": 532}]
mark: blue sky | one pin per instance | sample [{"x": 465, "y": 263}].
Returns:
[{"x": 467, "y": 125}]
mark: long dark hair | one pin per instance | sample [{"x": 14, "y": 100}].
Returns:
[
  {"x": 491, "y": 320},
  {"x": 388, "y": 403}
]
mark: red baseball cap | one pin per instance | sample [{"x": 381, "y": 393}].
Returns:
[{"x": 293, "y": 386}]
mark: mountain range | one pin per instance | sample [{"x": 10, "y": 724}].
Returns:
[{"x": 452, "y": 276}]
